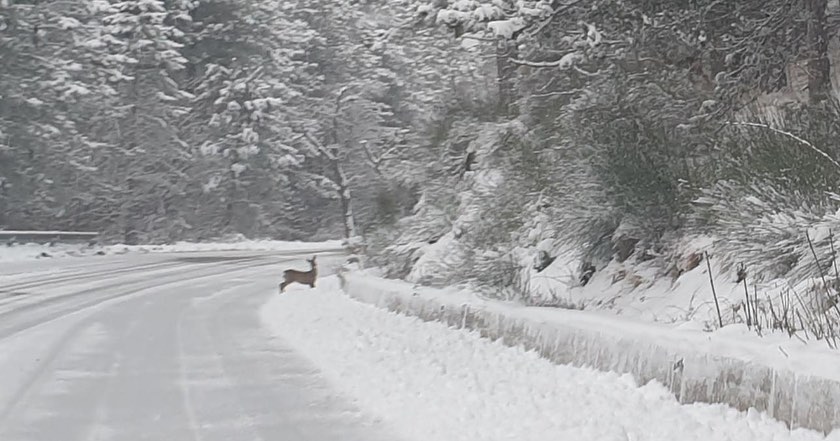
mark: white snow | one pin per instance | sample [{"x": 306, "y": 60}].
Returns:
[
  {"x": 470, "y": 43},
  {"x": 180, "y": 357},
  {"x": 675, "y": 315},
  {"x": 435, "y": 383},
  {"x": 437, "y": 260},
  {"x": 450, "y": 17},
  {"x": 506, "y": 28},
  {"x": 238, "y": 168},
  {"x": 645, "y": 292},
  {"x": 485, "y": 12},
  {"x": 34, "y": 251},
  {"x": 569, "y": 60},
  {"x": 23, "y": 232},
  {"x": 593, "y": 35}
]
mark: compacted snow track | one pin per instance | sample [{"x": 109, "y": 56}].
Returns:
[{"x": 168, "y": 348}]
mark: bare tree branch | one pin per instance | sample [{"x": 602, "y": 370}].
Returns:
[
  {"x": 789, "y": 135},
  {"x": 545, "y": 23},
  {"x": 541, "y": 64},
  {"x": 319, "y": 147},
  {"x": 376, "y": 161},
  {"x": 584, "y": 71}
]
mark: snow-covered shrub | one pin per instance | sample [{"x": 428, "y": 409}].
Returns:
[
  {"x": 627, "y": 157},
  {"x": 630, "y": 136},
  {"x": 399, "y": 247},
  {"x": 417, "y": 239},
  {"x": 778, "y": 185},
  {"x": 518, "y": 223},
  {"x": 489, "y": 244}
]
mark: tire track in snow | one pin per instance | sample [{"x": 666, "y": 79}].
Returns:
[
  {"x": 58, "y": 347},
  {"x": 97, "y": 430},
  {"x": 189, "y": 408},
  {"x": 83, "y": 275},
  {"x": 201, "y": 332},
  {"x": 204, "y": 271},
  {"x": 141, "y": 271}
]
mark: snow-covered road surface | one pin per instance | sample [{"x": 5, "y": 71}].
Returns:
[
  {"x": 163, "y": 348},
  {"x": 199, "y": 347},
  {"x": 436, "y": 383}
]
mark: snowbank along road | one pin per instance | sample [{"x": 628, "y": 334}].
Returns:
[
  {"x": 159, "y": 347},
  {"x": 201, "y": 347},
  {"x": 437, "y": 383}
]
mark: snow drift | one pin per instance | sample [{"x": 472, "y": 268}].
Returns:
[
  {"x": 431, "y": 382},
  {"x": 800, "y": 389}
]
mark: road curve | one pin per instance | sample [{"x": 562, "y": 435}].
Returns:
[{"x": 160, "y": 348}]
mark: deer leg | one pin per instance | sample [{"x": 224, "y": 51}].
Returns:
[{"x": 283, "y": 287}]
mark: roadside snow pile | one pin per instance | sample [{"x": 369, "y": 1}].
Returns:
[
  {"x": 37, "y": 251},
  {"x": 21, "y": 252},
  {"x": 775, "y": 350},
  {"x": 432, "y": 382},
  {"x": 243, "y": 245}
]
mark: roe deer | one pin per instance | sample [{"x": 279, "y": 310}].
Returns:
[{"x": 303, "y": 277}]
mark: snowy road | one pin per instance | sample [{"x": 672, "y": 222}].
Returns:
[
  {"x": 198, "y": 347},
  {"x": 158, "y": 347}
]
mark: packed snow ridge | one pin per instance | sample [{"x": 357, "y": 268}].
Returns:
[
  {"x": 23, "y": 252},
  {"x": 431, "y": 382}
]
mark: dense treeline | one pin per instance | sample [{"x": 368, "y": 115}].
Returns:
[
  {"x": 626, "y": 130},
  {"x": 154, "y": 120},
  {"x": 462, "y": 139}
]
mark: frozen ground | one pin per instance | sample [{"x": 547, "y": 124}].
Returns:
[
  {"x": 435, "y": 383},
  {"x": 162, "y": 348}
]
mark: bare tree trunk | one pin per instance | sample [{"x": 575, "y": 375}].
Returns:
[
  {"x": 346, "y": 200},
  {"x": 129, "y": 232},
  {"x": 232, "y": 195},
  {"x": 506, "y": 51},
  {"x": 341, "y": 178},
  {"x": 129, "y": 142},
  {"x": 4, "y": 209},
  {"x": 819, "y": 80}
]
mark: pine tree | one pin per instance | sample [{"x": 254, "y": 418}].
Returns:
[
  {"x": 54, "y": 74},
  {"x": 250, "y": 86},
  {"x": 147, "y": 166}
]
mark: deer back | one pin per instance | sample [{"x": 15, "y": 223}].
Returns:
[{"x": 304, "y": 277}]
